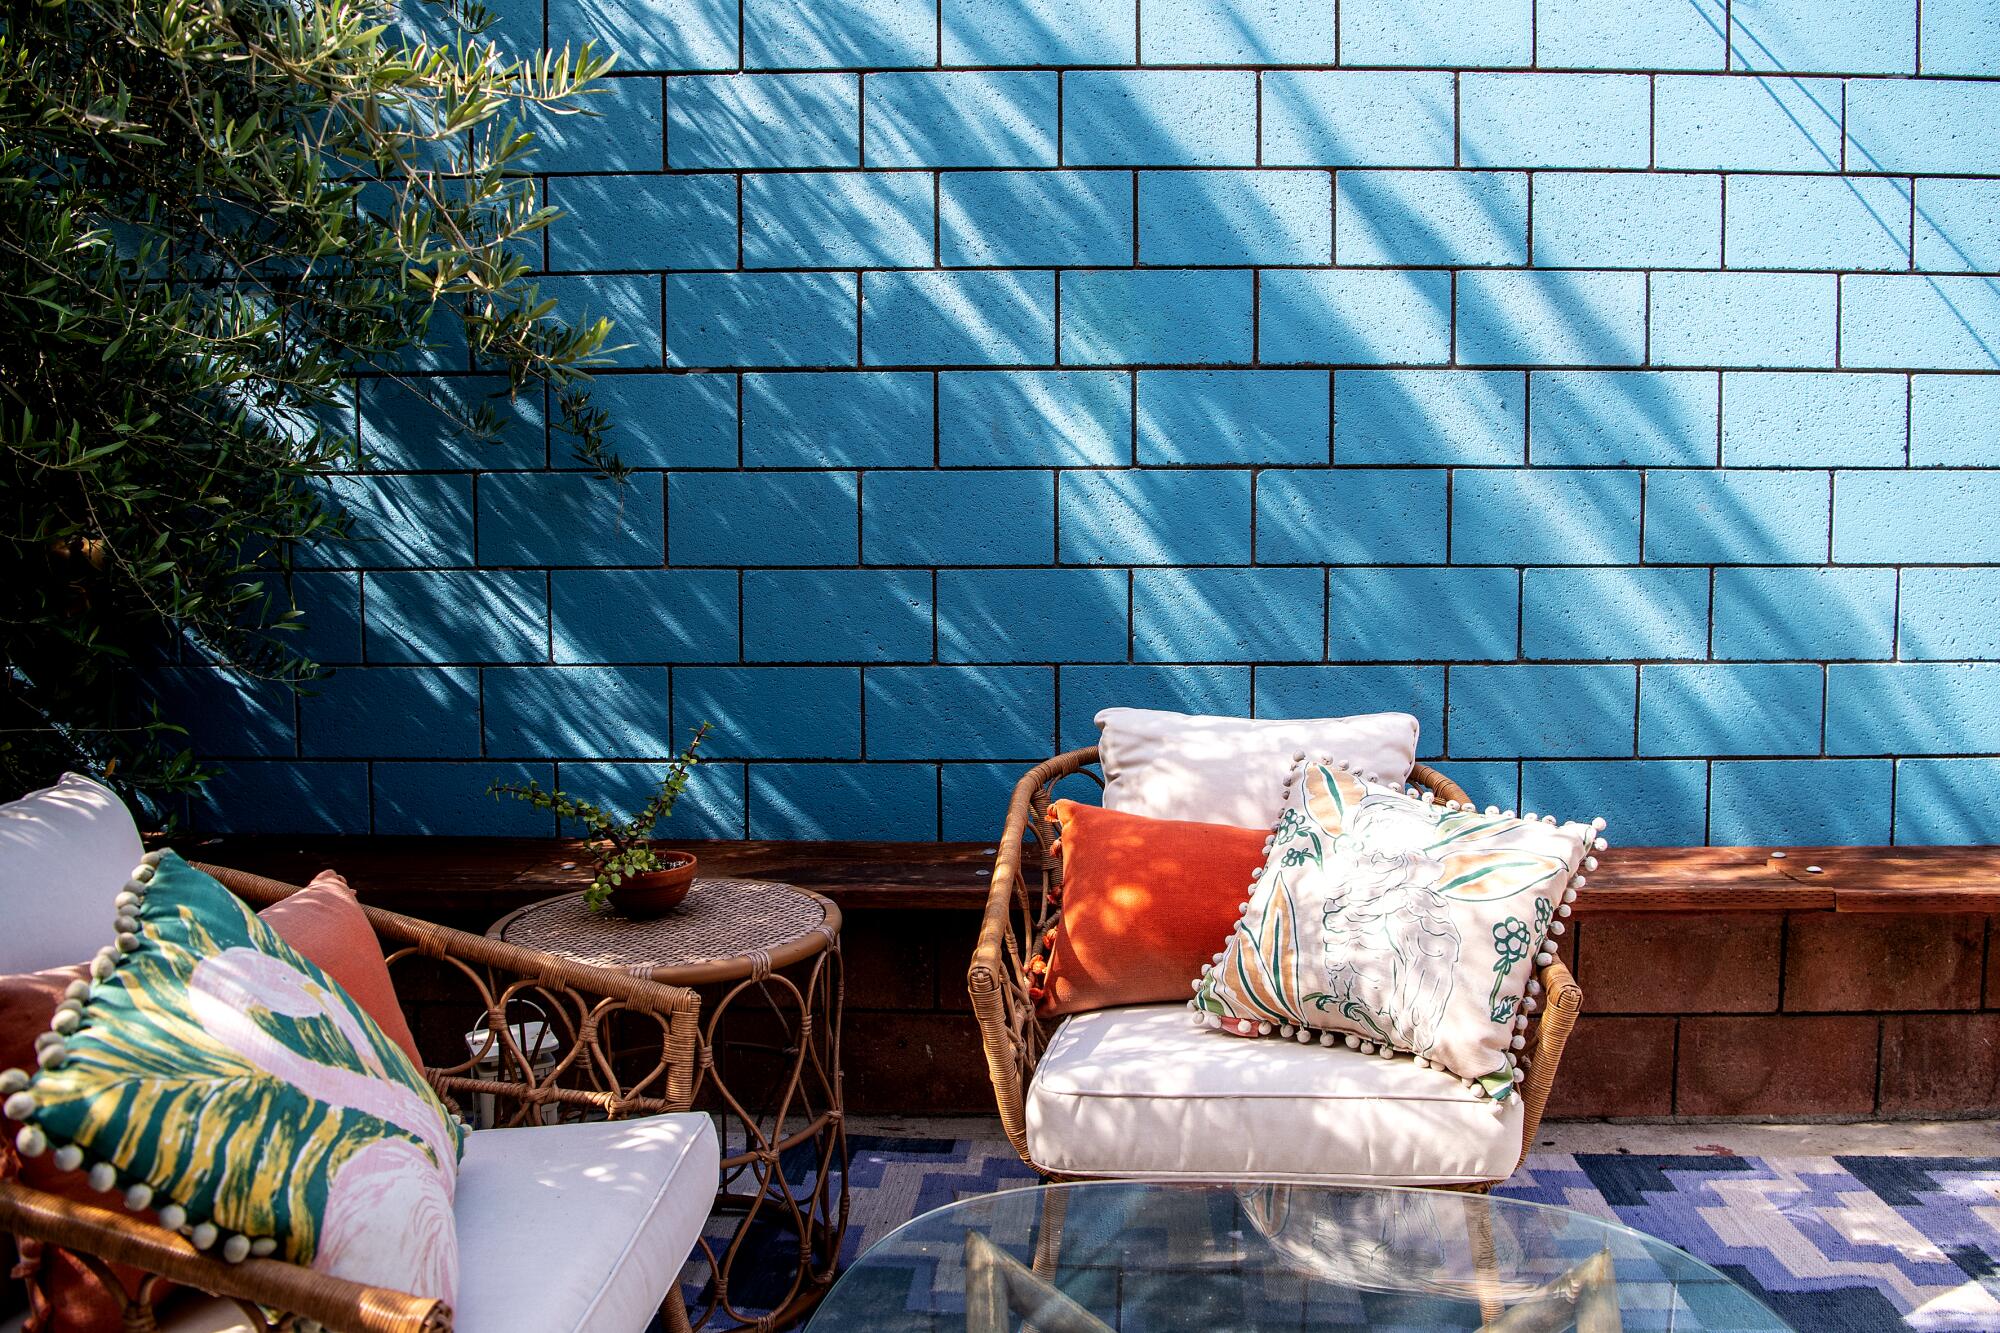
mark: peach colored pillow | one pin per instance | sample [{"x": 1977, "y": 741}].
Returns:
[
  {"x": 1145, "y": 903},
  {"x": 324, "y": 921}
]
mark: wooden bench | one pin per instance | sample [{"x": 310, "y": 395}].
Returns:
[
  {"x": 494, "y": 875},
  {"x": 1796, "y": 982}
]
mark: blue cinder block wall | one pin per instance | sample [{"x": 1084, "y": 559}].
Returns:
[{"x": 1611, "y": 383}]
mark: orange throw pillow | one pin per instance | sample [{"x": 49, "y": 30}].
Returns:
[
  {"x": 1145, "y": 903},
  {"x": 323, "y": 921}
]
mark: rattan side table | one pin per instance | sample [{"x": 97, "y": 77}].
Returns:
[{"x": 767, "y": 957}]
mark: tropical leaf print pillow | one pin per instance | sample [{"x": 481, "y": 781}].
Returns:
[
  {"x": 1398, "y": 924},
  {"x": 212, "y": 1073}
]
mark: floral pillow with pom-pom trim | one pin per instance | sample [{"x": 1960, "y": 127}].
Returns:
[
  {"x": 1399, "y": 925},
  {"x": 209, "y": 1071}
]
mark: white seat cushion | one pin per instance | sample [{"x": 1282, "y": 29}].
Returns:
[
  {"x": 1144, "y": 1092},
  {"x": 564, "y": 1228},
  {"x": 65, "y": 851},
  {"x": 580, "y": 1226}
]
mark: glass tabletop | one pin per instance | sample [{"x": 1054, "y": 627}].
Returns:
[{"x": 1152, "y": 1258}]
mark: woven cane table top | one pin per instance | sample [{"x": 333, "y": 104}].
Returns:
[{"x": 721, "y": 923}]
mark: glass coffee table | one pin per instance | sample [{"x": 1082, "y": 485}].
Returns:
[{"x": 1128, "y": 1257}]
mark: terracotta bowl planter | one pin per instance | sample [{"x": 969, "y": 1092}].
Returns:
[{"x": 656, "y": 892}]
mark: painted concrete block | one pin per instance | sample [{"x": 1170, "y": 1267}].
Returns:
[
  {"x": 1549, "y": 516},
  {"x": 1435, "y": 417},
  {"x": 1736, "y": 517},
  {"x": 1234, "y": 32},
  {"x": 1813, "y": 419},
  {"x": 1732, "y": 123},
  {"x": 1573, "y": 318},
  {"x": 1825, "y": 36},
  {"x": 1542, "y": 711},
  {"x": 458, "y": 615},
  {"x": 578, "y": 712},
  {"x": 1027, "y": 418},
  {"x": 1033, "y": 615},
  {"x": 1774, "y": 802},
  {"x": 973, "y": 118},
  {"x": 1818, "y": 222},
  {"x": 837, "y": 615},
  {"x": 1802, "y": 613},
  {"x": 1424, "y": 614},
  {"x": 1355, "y": 317},
  {"x": 1610, "y": 34},
  {"x": 569, "y": 518},
  {"x": 1702, "y": 708},
  {"x": 1614, "y": 614},
  {"x": 642, "y": 222},
  {"x": 1939, "y": 127},
  {"x": 760, "y": 319},
  {"x": 1949, "y": 614},
  {"x": 1359, "y": 118},
  {"x": 690, "y": 615},
  {"x": 1235, "y": 217},
  {"x": 1917, "y": 322},
  {"x": 1620, "y": 219},
  {"x": 984, "y": 317},
  {"x": 1461, "y": 218},
  {"x": 1944, "y": 518},
  {"x": 1550, "y": 120},
  {"x": 758, "y": 121},
  {"x": 802, "y": 34},
  {"x": 1951, "y": 419},
  {"x": 869, "y": 418},
  {"x": 1228, "y": 615},
  {"x": 961, "y": 712},
  {"x": 1189, "y": 317},
  {"x": 1159, "y": 118},
  {"x": 1155, "y": 517},
  {"x": 1912, "y": 708},
  {"x": 784, "y": 712},
  {"x": 1030, "y": 219},
  {"x": 1437, "y": 32},
  {"x": 1350, "y": 516},
  {"x": 1234, "y": 416},
  {"x": 958, "y": 518},
  {"x": 1039, "y": 32},
  {"x": 1743, "y": 319},
  {"x": 762, "y": 518},
  {"x": 820, "y": 219},
  {"x": 1622, "y": 417}
]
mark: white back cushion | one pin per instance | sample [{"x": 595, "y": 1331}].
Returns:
[
  {"x": 65, "y": 851},
  {"x": 1231, "y": 770}
]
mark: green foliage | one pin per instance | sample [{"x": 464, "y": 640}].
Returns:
[
  {"x": 619, "y": 847},
  {"x": 213, "y": 215}
]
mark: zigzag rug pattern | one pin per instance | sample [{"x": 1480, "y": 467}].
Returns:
[{"x": 1832, "y": 1244}]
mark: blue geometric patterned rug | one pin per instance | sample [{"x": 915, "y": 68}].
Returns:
[{"x": 1832, "y": 1244}]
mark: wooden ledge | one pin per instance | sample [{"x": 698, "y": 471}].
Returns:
[{"x": 457, "y": 877}]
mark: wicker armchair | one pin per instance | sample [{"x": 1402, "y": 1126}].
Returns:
[
  {"x": 579, "y": 1002},
  {"x": 1018, "y": 914}
]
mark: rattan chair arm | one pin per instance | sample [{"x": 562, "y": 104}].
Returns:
[
  {"x": 999, "y": 999},
  {"x": 1562, "y": 1001},
  {"x": 1423, "y": 775},
  {"x": 437, "y": 941},
  {"x": 678, "y": 1007},
  {"x": 347, "y": 1307}
]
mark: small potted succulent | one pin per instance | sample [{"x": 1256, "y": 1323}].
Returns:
[{"x": 635, "y": 875}]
